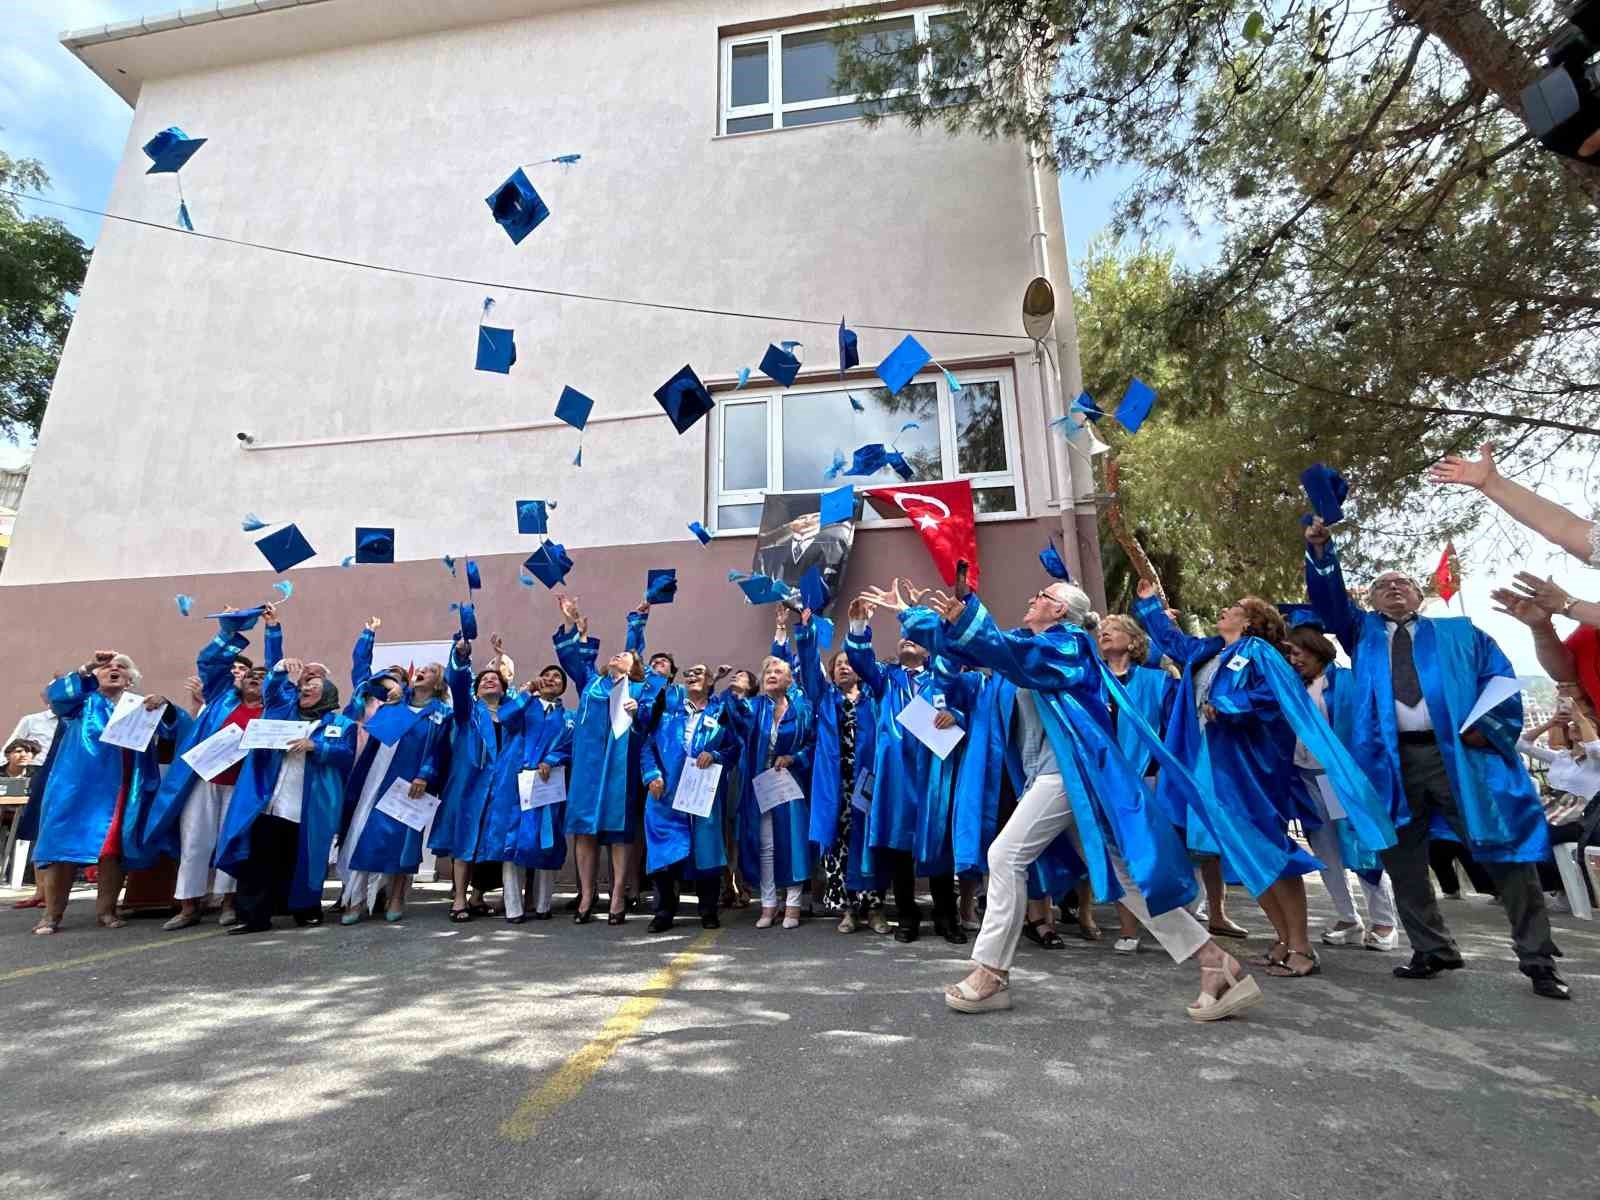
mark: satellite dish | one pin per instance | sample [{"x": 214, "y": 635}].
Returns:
[{"x": 1038, "y": 308}]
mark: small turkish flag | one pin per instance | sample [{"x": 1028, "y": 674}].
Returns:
[
  {"x": 1447, "y": 575},
  {"x": 942, "y": 514}
]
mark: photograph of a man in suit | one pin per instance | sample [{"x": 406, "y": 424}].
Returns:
[{"x": 795, "y": 543}]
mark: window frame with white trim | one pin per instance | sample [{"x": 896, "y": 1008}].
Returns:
[
  {"x": 772, "y": 111},
  {"x": 741, "y": 482}
]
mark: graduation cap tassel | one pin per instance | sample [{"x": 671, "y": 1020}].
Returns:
[{"x": 183, "y": 207}]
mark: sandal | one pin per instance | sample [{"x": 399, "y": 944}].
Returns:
[
  {"x": 109, "y": 921},
  {"x": 30, "y": 902},
  {"x": 1240, "y": 994},
  {"x": 1266, "y": 959},
  {"x": 478, "y": 908},
  {"x": 1041, "y": 934},
  {"x": 1090, "y": 932},
  {"x": 963, "y": 997},
  {"x": 1228, "y": 930},
  {"x": 460, "y": 916},
  {"x": 1282, "y": 969},
  {"x": 47, "y": 925}
]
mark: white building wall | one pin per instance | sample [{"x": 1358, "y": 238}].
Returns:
[{"x": 383, "y": 152}]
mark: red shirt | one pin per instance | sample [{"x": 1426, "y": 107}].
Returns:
[
  {"x": 241, "y": 717},
  {"x": 1584, "y": 645}
]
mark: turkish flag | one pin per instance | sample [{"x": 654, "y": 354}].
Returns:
[
  {"x": 1447, "y": 575},
  {"x": 942, "y": 514}
]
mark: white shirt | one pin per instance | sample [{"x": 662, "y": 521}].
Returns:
[
  {"x": 290, "y": 790},
  {"x": 1038, "y": 756},
  {"x": 1409, "y": 718},
  {"x": 1576, "y": 776},
  {"x": 36, "y": 727}
]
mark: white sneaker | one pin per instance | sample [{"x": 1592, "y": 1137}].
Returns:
[
  {"x": 1350, "y": 935},
  {"x": 1556, "y": 902},
  {"x": 1381, "y": 941},
  {"x": 1126, "y": 945},
  {"x": 228, "y": 917}
]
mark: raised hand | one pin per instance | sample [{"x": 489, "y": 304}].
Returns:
[
  {"x": 1318, "y": 534},
  {"x": 495, "y": 644},
  {"x": 196, "y": 689},
  {"x": 859, "y": 609},
  {"x": 723, "y": 671},
  {"x": 1546, "y": 593},
  {"x": 878, "y": 598},
  {"x": 914, "y": 594},
  {"x": 945, "y": 605},
  {"x": 1515, "y": 604},
  {"x": 569, "y": 608},
  {"x": 269, "y": 615},
  {"x": 293, "y": 668},
  {"x": 1463, "y": 472},
  {"x": 1146, "y": 589}
]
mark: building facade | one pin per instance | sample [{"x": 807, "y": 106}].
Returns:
[{"x": 327, "y": 309}]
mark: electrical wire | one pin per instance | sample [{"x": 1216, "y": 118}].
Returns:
[{"x": 493, "y": 285}]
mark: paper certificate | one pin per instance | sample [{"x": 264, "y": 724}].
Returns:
[
  {"x": 533, "y": 792},
  {"x": 217, "y": 753},
  {"x": 697, "y": 790},
  {"x": 397, "y": 803},
  {"x": 861, "y": 794},
  {"x": 917, "y": 717},
  {"x": 1495, "y": 693},
  {"x": 131, "y": 725},
  {"x": 262, "y": 734},
  {"x": 621, "y": 718},
  {"x": 776, "y": 787}
]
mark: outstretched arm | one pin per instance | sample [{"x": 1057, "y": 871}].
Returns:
[
  {"x": 1577, "y": 536},
  {"x": 214, "y": 664},
  {"x": 1325, "y": 586},
  {"x": 361, "y": 657},
  {"x": 1151, "y": 612},
  {"x": 859, "y": 652},
  {"x": 1042, "y": 662}
]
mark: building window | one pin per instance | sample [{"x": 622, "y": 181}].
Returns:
[
  {"x": 785, "y": 441},
  {"x": 786, "y": 77}
]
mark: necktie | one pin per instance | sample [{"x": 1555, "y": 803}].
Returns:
[{"x": 1407, "y": 687}]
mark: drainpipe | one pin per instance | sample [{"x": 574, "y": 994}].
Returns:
[{"x": 1071, "y": 470}]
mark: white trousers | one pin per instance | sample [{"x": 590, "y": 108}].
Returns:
[
  {"x": 514, "y": 878},
  {"x": 199, "y": 825},
  {"x": 361, "y": 888},
  {"x": 1043, "y": 812},
  {"x": 1380, "y": 896},
  {"x": 769, "y": 872}
]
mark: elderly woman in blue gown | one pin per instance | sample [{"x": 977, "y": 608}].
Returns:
[{"x": 534, "y": 838}]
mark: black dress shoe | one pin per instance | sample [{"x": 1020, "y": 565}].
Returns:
[
  {"x": 1426, "y": 966},
  {"x": 1547, "y": 983},
  {"x": 617, "y": 918},
  {"x": 660, "y": 923},
  {"x": 544, "y": 916},
  {"x": 711, "y": 922},
  {"x": 907, "y": 933},
  {"x": 238, "y": 929},
  {"x": 518, "y": 920},
  {"x": 570, "y": 905},
  {"x": 304, "y": 919}
]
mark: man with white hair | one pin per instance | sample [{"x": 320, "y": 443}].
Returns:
[
  {"x": 1079, "y": 782},
  {"x": 1417, "y": 680}
]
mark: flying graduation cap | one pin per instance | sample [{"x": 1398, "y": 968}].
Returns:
[
  {"x": 685, "y": 399},
  {"x": 869, "y": 460},
  {"x": 469, "y": 620},
  {"x": 1298, "y": 616},
  {"x": 474, "y": 580},
  {"x": 701, "y": 533},
  {"x": 849, "y": 349},
  {"x": 1085, "y": 404},
  {"x": 285, "y": 548},
  {"x": 1135, "y": 405},
  {"x": 1327, "y": 490},
  {"x": 374, "y": 545},
  {"x": 532, "y": 517},
  {"x": 660, "y": 587},
  {"x": 814, "y": 590},
  {"x": 168, "y": 151},
  {"x": 838, "y": 505},
  {"x": 497, "y": 348},
  {"x": 574, "y": 408},
  {"x": 780, "y": 365},
  {"x": 904, "y": 361},
  {"x": 1050, "y": 560},
  {"x": 549, "y": 564},
  {"x": 760, "y": 589},
  {"x": 517, "y": 208}
]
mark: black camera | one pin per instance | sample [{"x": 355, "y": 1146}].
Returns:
[{"x": 1563, "y": 104}]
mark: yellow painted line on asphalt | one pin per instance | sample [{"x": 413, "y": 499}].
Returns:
[
  {"x": 571, "y": 1076},
  {"x": 105, "y": 955}
]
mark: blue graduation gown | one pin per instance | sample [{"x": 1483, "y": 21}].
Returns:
[
  {"x": 826, "y": 790},
  {"x": 535, "y": 839},
  {"x": 1455, "y": 661},
  {"x": 333, "y": 741},
  {"x": 386, "y": 845},
  {"x": 1110, "y": 801},
  {"x": 80, "y": 797},
  {"x": 1154, "y": 692},
  {"x": 670, "y": 836},
  {"x": 465, "y": 827},
  {"x": 791, "y": 822},
  {"x": 912, "y": 788},
  {"x": 157, "y": 831},
  {"x": 604, "y": 798}
]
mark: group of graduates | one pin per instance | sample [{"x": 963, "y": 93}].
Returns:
[{"x": 1120, "y": 754}]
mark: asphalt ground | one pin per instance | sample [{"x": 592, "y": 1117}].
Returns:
[{"x": 425, "y": 1059}]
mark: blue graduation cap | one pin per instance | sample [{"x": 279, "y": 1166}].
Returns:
[
  {"x": 838, "y": 505},
  {"x": 474, "y": 580},
  {"x": 516, "y": 206},
  {"x": 285, "y": 548},
  {"x": 1050, "y": 559},
  {"x": 1135, "y": 406},
  {"x": 759, "y": 589},
  {"x": 185, "y": 604},
  {"x": 240, "y": 620},
  {"x": 867, "y": 460},
  {"x": 897, "y": 462},
  {"x": 1327, "y": 490},
  {"x": 814, "y": 590},
  {"x": 1298, "y": 615},
  {"x": 660, "y": 587},
  {"x": 574, "y": 408},
  {"x": 531, "y": 517},
  {"x": 849, "y": 349},
  {"x": 701, "y": 532},
  {"x": 904, "y": 361},
  {"x": 469, "y": 620},
  {"x": 374, "y": 545},
  {"x": 391, "y": 722},
  {"x": 1085, "y": 404},
  {"x": 685, "y": 398},
  {"x": 780, "y": 365},
  {"x": 549, "y": 564},
  {"x": 170, "y": 149},
  {"x": 497, "y": 349}
]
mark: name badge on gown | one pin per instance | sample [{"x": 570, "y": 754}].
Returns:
[
  {"x": 1238, "y": 662},
  {"x": 861, "y": 794},
  {"x": 332, "y": 731}
]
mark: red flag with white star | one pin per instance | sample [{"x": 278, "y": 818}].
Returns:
[
  {"x": 1447, "y": 575},
  {"x": 942, "y": 514}
]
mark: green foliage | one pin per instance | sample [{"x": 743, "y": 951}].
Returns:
[{"x": 41, "y": 264}]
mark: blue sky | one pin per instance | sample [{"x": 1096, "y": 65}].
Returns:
[{"x": 54, "y": 109}]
